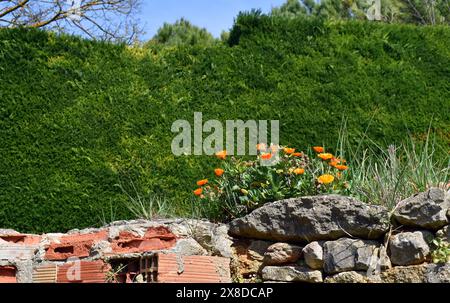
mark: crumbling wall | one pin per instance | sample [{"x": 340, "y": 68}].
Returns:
[
  {"x": 326, "y": 238},
  {"x": 128, "y": 251}
]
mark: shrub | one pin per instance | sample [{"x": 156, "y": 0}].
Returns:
[
  {"x": 386, "y": 175},
  {"x": 375, "y": 176},
  {"x": 78, "y": 116},
  {"x": 241, "y": 186}
]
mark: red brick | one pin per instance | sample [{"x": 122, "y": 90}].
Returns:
[
  {"x": 8, "y": 274},
  {"x": 156, "y": 238},
  {"x": 193, "y": 269},
  {"x": 74, "y": 245},
  {"x": 89, "y": 272},
  {"x": 21, "y": 239}
]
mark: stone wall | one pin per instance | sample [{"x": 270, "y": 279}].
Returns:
[
  {"x": 316, "y": 239},
  {"x": 332, "y": 238}
]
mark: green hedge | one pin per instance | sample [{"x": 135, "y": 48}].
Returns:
[{"x": 78, "y": 117}]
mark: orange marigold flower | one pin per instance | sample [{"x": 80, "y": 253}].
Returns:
[
  {"x": 222, "y": 154},
  {"x": 202, "y": 182},
  {"x": 261, "y": 146},
  {"x": 325, "y": 156},
  {"x": 341, "y": 167},
  {"x": 325, "y": 179},
  {"x": 274, "y": 148},
  {"x": 299, "y": 171},
  {"x": 218, "y": 172},
  {"x": 288, "y": 150},
  {"x": 198, "y": 191},
  {"x": 318, "y": 149},
  {"x": 297, "y": 154},
  {"x": 334, "y": 162},
  {"x": 266, "y": 156}
]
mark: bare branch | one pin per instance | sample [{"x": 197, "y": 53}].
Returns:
[
  {"x": 100, "y": 19},
  {"x": 9, "y": 10}
]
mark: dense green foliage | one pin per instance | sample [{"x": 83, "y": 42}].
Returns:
[
  {"x": 182, "y": 32},
  {"x": 79, "y": 117},
  {"x": 394, "y": 11}
]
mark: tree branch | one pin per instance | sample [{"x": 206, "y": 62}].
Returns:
[{"x": 13, "y": 8}]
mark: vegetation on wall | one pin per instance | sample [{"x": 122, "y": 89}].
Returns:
[{"x": 83, "y": 123}]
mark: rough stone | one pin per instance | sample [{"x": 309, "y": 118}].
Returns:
[
  {"x": 348, "y": 277},
  {"x": 248, "y": 257},
  {"x": 282, "y": 253},
  {"x": 291, "y": 274},
  {"x": 189, "y": 247},
  {"x": 409, "y": 248},
  {"x": 313, "y": 255},
  {"x": 99, "y": 249},
  {"x": 384, "y": 260},
  {"x": 404, "y": 274},
  {"x": 349, "y": 254},
  {"x": 425, "y": 210},
  {"x": 438, "y": 273},
  {"x": 424, "y": 273},
  {"x": 444, "y": 233},
  {"x": 326, "y": 217},
  {"x": 213, "y": 237}
]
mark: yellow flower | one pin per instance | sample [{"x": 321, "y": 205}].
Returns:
[
  {"x": 325, "y": 156},
  {"x": 299, "y": 171},
  {"x": 202, "y": 182},
  {"x": 325, "y": 179},
  {"x": 244, "y": 191}
]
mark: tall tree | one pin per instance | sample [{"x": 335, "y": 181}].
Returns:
[
  {"x": 404, "y": 11},
  {"x": 182, "y": 32},
  {"x": 293, "y": 8},
  {"x": 101, "y": 19},
  {"x": 426, "y": 11}
]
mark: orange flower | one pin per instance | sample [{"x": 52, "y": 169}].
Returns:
[
  {"x": 288, "y": 150},
  {"x": 198, "y": 191},
  {"x": 299, "y": 171},
  {"x": 266, "y": 156},
  {"x": 334, "y": 162},
  {"x": 339, "y": 175},
  {"x": 318, "y": 149},
  {"x": 325, "y": 156},
  {"x": 218, "y": 172},
  {"x": 274, "y": 148},
  {"x": 341, "y": 167},
  {"x": 297, "y": 154},
  {"x": 222, "y": 154},
  {"x": 261, "y": 146},
  {"x": 325, "y": 179},
  {"x": 202, "y": 182}
]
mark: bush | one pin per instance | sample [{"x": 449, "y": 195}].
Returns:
[
  {"x": 374, "y": 175},
  {"x": 79, "y": 116},
  {"x": 277, "y": 173}
]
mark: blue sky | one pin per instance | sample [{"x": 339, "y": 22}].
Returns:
[{"x": 214, "y": 15}]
